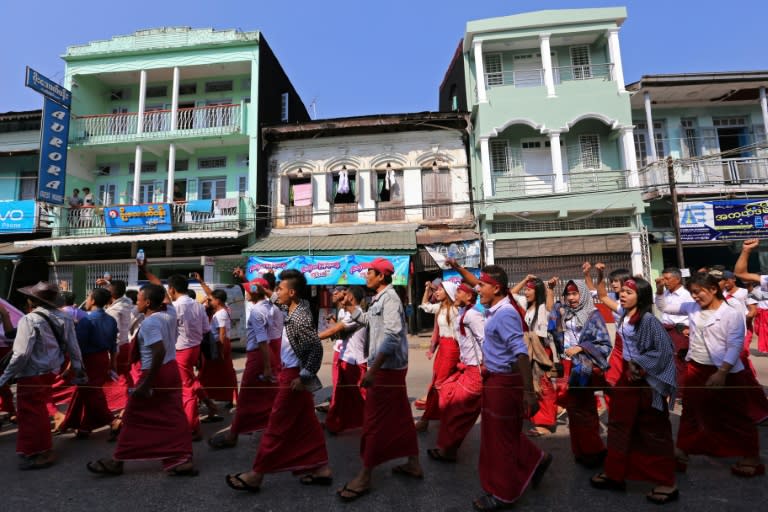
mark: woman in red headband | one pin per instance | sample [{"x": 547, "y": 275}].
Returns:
[
  {"x": 586, "y": 346},
  {"x": 640, "y": 445},
  {"x": 460, "y": 393},
  {"x": 447, "y": 349},
  {"x": 537, "y": 300}
]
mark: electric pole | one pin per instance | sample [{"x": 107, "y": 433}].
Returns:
[{"x": 675, "y": 213}]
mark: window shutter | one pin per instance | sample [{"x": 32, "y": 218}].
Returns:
[
  {"x": 330, "y": 187},
  {"x": 373, "y": 176},
  {"x": 285, "y": 191},
  {"x": 428, "y": 186},
  {"x": 396, "y": 190},
  {"x": 355, "y": 184}
]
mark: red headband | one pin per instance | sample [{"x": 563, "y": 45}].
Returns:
[
  {"x": 530, "y": 284},
  {"x": 467, "y": 289},
  {"x": 485, "y": 278},
  {"x": 631, "y": 284},
  {"x": 571, "y": 288}
]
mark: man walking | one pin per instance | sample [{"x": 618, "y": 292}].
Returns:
[{"x": 43, "y": 337}]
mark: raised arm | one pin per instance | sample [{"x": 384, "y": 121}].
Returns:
[
  {"x": 203, "y": 285},
  {"x": 466, "y": 275},
  {"x": 550, "y": 301},
  {"x": 586, "y": 269},
  {"x": 515, "y": 290},
  {"x": 152, "y": 278},
  {"x": 602, "y": 291},
  {"x": 741, "y": 267}
]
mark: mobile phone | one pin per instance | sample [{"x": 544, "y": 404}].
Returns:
[{"x": 192, "y": 275}]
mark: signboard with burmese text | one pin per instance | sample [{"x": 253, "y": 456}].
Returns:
[{"x": 138, "y": 218}]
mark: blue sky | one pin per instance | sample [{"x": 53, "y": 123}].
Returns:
[{"x": 365, "y": 57}]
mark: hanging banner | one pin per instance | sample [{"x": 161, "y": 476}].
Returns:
[
  {"x": 466, "y": 253},
  {"x": 138, "y": 218},
  {"x": 455, "y": 277},
  {"x": 737, "y": 219},
  {"x": 53, "y": 153},
  {"x": 327, "y": 270}
]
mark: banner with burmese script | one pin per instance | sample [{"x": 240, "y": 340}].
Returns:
[
  {"x": 327, "y": 270},
  {"x": 137, "y": 218}
]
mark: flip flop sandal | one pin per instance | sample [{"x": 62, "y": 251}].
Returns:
[
  {"x": 748, "y": 470},
  {"x": 435, "y": 454},
  {"x": 662, "y": 498},
  {"x": 104, "y": 467},
  {"x": 241, "y": 484},
  {"x": 403, "y": 471},
  {"x": 316, "y": 480},
  {"x": 489, "y": 503},
  {"x": 220, "y": 441},
  {"x": 602, "y": 482},
  {"x": 354, "y": 494}
]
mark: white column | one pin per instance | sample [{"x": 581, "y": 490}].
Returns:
[
  {"x": 629, "y": 158},
  {"x": 614, "y": 55},
  {"x": 650, "y": 146},
  {"x": 485, "y": 163},
  {"x": 546, "y": 62},
  {"x": 175, "y": 100},
  {"x": 171, "y": 171},
  {"x": 557, "y": 161},
  {"x": 480, "y": 72},
  {"x": 142, "y": 101},
  {"x": 764, "y": 108},
  {"x": 636, "y": 256},
  {"x": 137, "y": 174},
  {"x": 489, "y": 257}
]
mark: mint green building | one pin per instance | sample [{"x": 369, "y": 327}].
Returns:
[
  {"x": 554, "y": 173},
  {"x": 168, "y": 116}
]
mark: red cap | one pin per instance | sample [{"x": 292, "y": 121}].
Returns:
[
  {"x": 258, "y": 281},
  {"x": 381, "y": 265}
]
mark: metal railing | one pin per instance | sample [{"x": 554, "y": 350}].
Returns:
[
  {"x": 535, "y": 77},
  {"x": 522, "y": 185},
  {"x": 226, "y": 214},
  {"x": 704, "y": 173},
  {"x": 119, "y": 127}
]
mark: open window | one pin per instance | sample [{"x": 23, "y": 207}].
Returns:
[
  {"x": 387, "y": 190},
  {"x": 297, "y": 196},
  {"x": 343, "y": 187}
]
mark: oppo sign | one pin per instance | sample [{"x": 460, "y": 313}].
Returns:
[{"x": 17, "y": 217}]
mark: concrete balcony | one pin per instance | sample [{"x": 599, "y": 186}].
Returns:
[
  {"x": 535, "y": 77},
  {"x": 214, "y": 120},
  {"x": 706, "y": 176},
  {"x": 226, "y": 215},
  {"x": 583, "y": 181}
]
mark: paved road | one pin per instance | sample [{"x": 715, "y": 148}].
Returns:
[{"x": 68, "y": 486}]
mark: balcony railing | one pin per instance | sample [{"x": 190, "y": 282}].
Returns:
[
  {"x": 298, "y": 215},
  {"x": 535, "y": 77},
  {"x": 390, "y": 211},
  {"x": 344, "y": 213},
  {"x": 521, "y": 185},
  {"x": 227, "y": 214},
  {"x": 122, "y": 127},
  {"x": 709, "y": 173}
]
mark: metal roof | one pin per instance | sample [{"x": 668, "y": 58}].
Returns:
[
  {"x": 138, "y": 237},
  {"x": 389, "y": 241}
]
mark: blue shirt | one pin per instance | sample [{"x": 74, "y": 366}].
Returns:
[
  {"x": 503, "y": 337},
  {"x": 97, "y": 332}
]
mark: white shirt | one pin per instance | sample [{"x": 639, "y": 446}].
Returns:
[
  {"x": 675, "y": 298},
  {"x": 122, "y": 311},
  {"x": 287, "y": 355},
  {"x": 471, "y": 345},
  {"x": 571, "y": 333},
  {"x": 341, "y": 316},
  {"x": 220, "y": 319},
  {"x": 719, "y": 335},
  {"x": 444, "y": 328},
  {"x": 541, "y": 320},
  {"x": 159, "y": 327},
  {"x": 352, "y": 348},
  {"x": 192, "y": 322}
]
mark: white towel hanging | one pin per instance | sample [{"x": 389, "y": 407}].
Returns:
[{"x": 343, "y": 182}]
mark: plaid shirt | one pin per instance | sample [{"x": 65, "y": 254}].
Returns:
[{"x": 303, "y": 339}]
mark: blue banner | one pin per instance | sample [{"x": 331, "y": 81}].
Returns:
[
  {"x": 18, "y": 217},
  {"x": 327, "y": 270},
  {"x": 138, "y": 218},
  {"x": 53, "y": 153},
  {"x": 737, "y": 219},
  {"x": 48, "y": 88}
]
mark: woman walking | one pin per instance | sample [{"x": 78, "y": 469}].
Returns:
[
  {"x": 640, "y": 445},
  {"x": 715, "y": 420}
]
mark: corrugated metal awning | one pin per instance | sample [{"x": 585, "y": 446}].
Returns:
[
  {"x": 126, "y": 239},
  {"x": 403, "y": 242},
  {"x": 8, "y": 250}
]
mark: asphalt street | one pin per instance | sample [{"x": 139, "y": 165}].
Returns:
[{"x": 707, "y": 485}]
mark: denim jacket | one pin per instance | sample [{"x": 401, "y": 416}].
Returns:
[{"x": 385, "y": 320}]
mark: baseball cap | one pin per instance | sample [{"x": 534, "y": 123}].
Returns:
[
  {"x": 381, "y": 265},
  {"x": 259, "y": 281}
]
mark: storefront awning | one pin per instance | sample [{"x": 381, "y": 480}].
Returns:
[
  {"x": 8, "y": 250},
  {"x": 126, "y": 239},
  {"x": 384, "y": 242}
]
